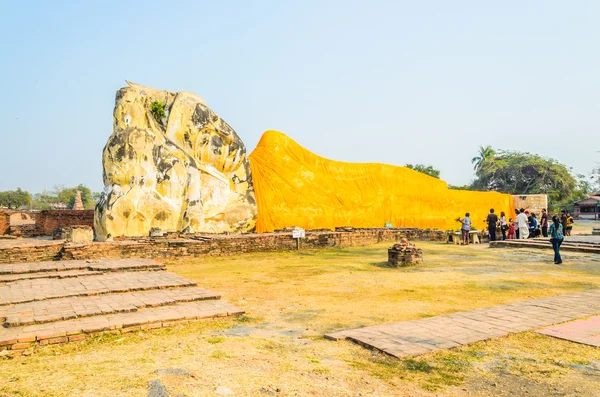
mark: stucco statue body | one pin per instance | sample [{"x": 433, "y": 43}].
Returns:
[{"x": 172, "y": 164}]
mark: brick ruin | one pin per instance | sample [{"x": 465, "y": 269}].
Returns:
[
  {"x": 47, "y": 221},
  {"x": 202, "y": 246},
  {"x": 4, "y": 221},
  {"x": 43, "y": 223}
]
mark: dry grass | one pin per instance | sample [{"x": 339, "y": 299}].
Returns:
[{"x": 292, "y": 299}]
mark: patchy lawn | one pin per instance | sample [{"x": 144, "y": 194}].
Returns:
[{"x": 291, "y": 299}]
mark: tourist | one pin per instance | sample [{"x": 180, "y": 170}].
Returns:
[
  {"x": 569, "y": 227},
  {"x": 563, "y": 219},
  {"x": 492, "y": 220},
  {"x": 534, "y": 230},
  {"x": 503, "y": 225},
  {"x": 556, "y": 238},
  {"x": 516, "y": 225},
  {"x": 522, "y": 225},
  {"x": 544, "y": 222},
  {"x": 466, "y": 228},
  {"x": 511, "y": 229}
]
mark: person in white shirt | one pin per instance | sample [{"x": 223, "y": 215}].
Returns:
[{"x": 523, "y": 224}]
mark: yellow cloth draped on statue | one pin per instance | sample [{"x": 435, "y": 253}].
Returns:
[{"x": 295, "y": 187}]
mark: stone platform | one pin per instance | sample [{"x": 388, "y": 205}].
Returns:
[
  {"x": 60, "y": 301},
  {"x": 412, "y": 338}
]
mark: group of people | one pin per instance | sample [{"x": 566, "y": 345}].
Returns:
[{"x": 526, "y": 225}]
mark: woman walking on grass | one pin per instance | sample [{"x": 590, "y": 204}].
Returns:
[{"x": 556, "y": 238}]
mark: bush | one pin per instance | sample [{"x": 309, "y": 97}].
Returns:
[{"x": 158, "y": 110}]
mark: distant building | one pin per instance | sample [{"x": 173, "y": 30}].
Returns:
[
  {"x": 588, "y": 208},
  {"x": 58, "y": 206}
]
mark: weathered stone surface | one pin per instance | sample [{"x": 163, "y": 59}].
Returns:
[
  {"x": 185, "y": 170},
  {"x": 156, "y": 389}
]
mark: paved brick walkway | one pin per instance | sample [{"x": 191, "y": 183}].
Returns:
[
  {"x": 7, "y": 278},
  {"x": 586, "y": 331},
  {"x": 63, "y": 301},
  {"x": 412, "y": 338},
  {"x": 22, "y": 291},
  {"x": 85, "y": 306},
  {"x": 70, "y": 330},
  {"x": 100, "y": 264}
]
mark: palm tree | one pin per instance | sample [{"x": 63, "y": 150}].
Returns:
[{"x": 485, "y": 154}]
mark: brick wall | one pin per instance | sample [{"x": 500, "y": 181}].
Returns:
[
  {"x": 218, "y": 245},
  {"x": 31, "y": 253},
  {"x": 532, "y": 202},
  {"x": 26, "y": 230},
  {"x": 235, "y": 244},
  {"x": 4, "y": 221},
  {"x": 49, "y": 220}
]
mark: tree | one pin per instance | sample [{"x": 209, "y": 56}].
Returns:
[
  {"x": 526, "y": 173},
  {"x": 42, "y": 201},
  {"x": 15, "y": 198},
  {"x": 596, "y": 179},
  {"x": 485, "y": 154},
  {"x": 67, "y": 195},
  {"x": 460, "y": 187},
  {"x": 425, "y": 169}
]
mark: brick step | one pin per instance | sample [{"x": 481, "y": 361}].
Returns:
[
  {"x": 7, "y": 278},
  {"x": 22, "y": 291},
  {"x": 99, "y": 264},
  {"x": 547, "y": 242},
  {"x": 18, "y": 339},
  {"x": 85, "y": 306},
  {"x": 575, "y": 247}
]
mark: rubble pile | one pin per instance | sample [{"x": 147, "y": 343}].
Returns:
[{"x": 404, "y": 253}]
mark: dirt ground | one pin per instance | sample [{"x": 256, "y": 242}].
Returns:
[{"x": 292, "y": 299}]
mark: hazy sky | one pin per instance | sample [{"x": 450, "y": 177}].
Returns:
[{"x": 367, "y": 81}]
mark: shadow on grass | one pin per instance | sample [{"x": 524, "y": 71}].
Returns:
[{"x": 384, "y": 265}]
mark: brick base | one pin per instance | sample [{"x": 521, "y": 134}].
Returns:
[{"x": 217, "y": 245}]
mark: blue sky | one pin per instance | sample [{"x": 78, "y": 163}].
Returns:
[{"x": 381, "y": 81}]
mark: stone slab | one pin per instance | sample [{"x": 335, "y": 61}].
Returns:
[
  {"x": 97, "y": 264},
  {"x": 412, "y": 338},
  {"x": 586, "y": 331},
  {"x": 7, "y": 278},
  {"x": 84, "y": 306},
  {"x": 22, "y": 291},
  {"x": 156, "y": 317}
]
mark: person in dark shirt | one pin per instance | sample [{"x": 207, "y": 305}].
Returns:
[
  {"x": 492, "y": 220},
  {"x": 563, "y": 220},
  {"x": 544, "y": 222}
]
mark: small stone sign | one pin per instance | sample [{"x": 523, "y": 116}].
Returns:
[{"x": 298, "y": 233}]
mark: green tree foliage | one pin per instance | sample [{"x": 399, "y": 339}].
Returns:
[
  {"x": 158, "y": 110},
  {"x": 15, "y": 198},
  {"x": 486, "y": 153},
  {"x": 596, "y": 179},
  {"x": 461, "y": 187},
  {"x": 425, "y": 169},
  {"x": 526, "y": 173},
  {"x": 42, "y": 201}
]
